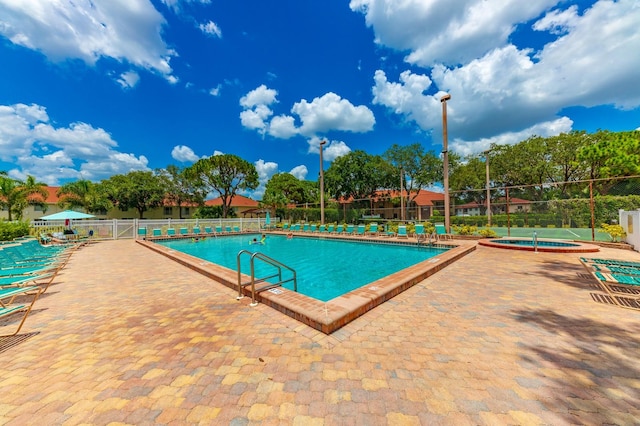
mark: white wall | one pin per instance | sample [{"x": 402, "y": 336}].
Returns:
[{"x": 630, "y": 222}]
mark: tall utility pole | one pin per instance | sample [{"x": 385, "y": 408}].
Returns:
[
  {"x": 322, "y": 184},
  {"x": 486, "y": 153},
  {"x": 401, "y": 195},
  {"x": 445, "y": 160}
]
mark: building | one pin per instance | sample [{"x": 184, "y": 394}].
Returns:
[{"x": 499, "y": 206}]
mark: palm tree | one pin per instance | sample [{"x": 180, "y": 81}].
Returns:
[
  {"x": 84, "y": 194},
  {"x": 15, "y": 195}
]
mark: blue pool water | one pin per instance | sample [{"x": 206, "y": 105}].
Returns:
[
  {"x": 325, "y": 268},
  {"x": 530, "y": 243}
]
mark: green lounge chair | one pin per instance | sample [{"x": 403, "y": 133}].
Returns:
[
  {"x": 373, "y": 230},
  {"x": 8, "y": 296},
  {"x": 330, "y": 228},
  {"x": 171, "y": 232},
  {"x": 441, "y": 232},
  {"x": 349, "y": 229},
  {"x": 339, "y": 229},
  {"x": 157, "y": 232},
  {"x": 360, "y": 230},
  {"x": 402, "y": 232}
]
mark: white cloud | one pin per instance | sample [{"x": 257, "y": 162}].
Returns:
[
  {"x": 30, "y": 141},
  {"x": 259, "y": 96},
  {"x": 449, "y": 32},
  {"x": 265, "y": 171},
  {"x": 331, "y": 112},
  {"x": 176, "y": 5},
  {"x": 129, "y": 79},
  {"x": 184, "y": 154},
  {"x": 215, "y": 91},
  {"x": 300, "y": 172},
  {"x": 125, "y": 30},
  {"x": 330, "y": 151},
  {"x": 510, "y": 91},
  {"x": 282, "y": 127},
  {"x": 211, "y": 28}
]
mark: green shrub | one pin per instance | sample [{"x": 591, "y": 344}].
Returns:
[
  {"x": 615, "y": 231},
  {"x": 519, "y": 223},
  {"x": 465, "y": 230},
  {"x": 12, "y": 230},
  {"x": 488, "y": 233}
]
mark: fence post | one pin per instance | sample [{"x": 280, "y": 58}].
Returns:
[
  {"x": 114, "y": 229},
  {"x": 508, "y": 216}
]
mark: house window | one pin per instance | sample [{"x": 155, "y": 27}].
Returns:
[
  {"x": 519, "y": 208},
  {"x": 38, "y": 208},
  {"x": 168, "y": 211},
  {"x": 185, "y": 211}
]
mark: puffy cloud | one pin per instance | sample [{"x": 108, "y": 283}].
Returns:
[
  {"x": 259, "y": 97},
  {"x": 125, "y": 30},
  {"x": 449, "y": 32},
  {"x": 265, "y": 171},
  {"x": 211, "y": 28},
  {"x": 331, "y": 112},
  {"x": 330, "y": 151},
  {"x": 282, "y": 127},
  {"x": 177, "y": 5},
  {"x": 184, "y": 154},
  {"x": 300, "y": 172},
  {"x": 30, "y": 141},
  {"x": 509, "y": 92}
]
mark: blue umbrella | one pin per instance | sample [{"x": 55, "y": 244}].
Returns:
[
  {"x": 67, "y": 214},
  {"x": 267, "y": 219}
]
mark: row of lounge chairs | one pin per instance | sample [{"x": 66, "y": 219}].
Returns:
[
  {"x": 195, "y": 231},
  {"x": 27, "y": 270},
  {"x": 618, "y": 278},
  {"x": 374, "y": 230}
]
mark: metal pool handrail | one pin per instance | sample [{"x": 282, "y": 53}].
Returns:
[{"x": 269, "y": 260}]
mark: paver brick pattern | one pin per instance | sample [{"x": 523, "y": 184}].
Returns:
[{"x": 125, "y": 336}]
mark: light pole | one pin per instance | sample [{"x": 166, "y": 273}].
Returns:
[
  {"x": 486, "y": 153},
  {"x": 445, "y": 160},
  {"x": 401, "y": 194},
  {"x": 322, "y": 184}
]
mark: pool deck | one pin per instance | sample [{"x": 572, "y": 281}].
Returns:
[{"x": 124, "y": 336}]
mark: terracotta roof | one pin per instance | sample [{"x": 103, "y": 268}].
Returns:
[
  {"x": 52, "y": 198},
  {"x": 238, "y": 201}
]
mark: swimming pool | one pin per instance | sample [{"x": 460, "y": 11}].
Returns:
[
  {"x": 325, "y": 268},
  {"x": 323, "y": 316}
]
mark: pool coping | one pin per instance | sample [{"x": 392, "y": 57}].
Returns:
[
  {"x": 329, "y": 316},
  {"x": 579, "y": 247}
]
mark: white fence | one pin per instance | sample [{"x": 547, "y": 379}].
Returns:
[{"x": 112, "y": 229}]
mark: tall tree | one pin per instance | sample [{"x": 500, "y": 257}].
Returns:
[
  {"x": 83, "y": 194},
  {"x": 610, "y": 155},
  {"x": 181, "y": 188},
  {"x": 420, "y": 169},
  {"x": 136, "y": 190},
  {"x": 286, "y": 188},
  {"x": 226, "y": 175},
  {"x": 358, "y": 175}
]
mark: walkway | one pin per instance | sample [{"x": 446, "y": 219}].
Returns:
[{"x": 500, "y": 337}]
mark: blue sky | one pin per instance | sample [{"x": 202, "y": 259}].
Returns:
[{"x": 89, "y": 89}]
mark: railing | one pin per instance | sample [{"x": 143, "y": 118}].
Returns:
[
  {"x": 263, "y": 257},
  {"x": 114, "y": 229}
]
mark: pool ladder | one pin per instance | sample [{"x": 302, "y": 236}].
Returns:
[{"x": 263, "y": 280}]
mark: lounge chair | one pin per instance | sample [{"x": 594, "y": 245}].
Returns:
[
  {"x": 218, "y": 229},
  {"x": 236, "y": 229},
  {"x": 339, "y": 229},
  {"x": 306, "y": 227},
  {"x": 207, "y": 230},
  {"x": 227, "y": 229},
  {"x": 8, "y": 296},
  {"x": 441, "y": 232},
  {"x": 373, "y": 230},
  {"x": 171, "y": 232},
  {"x": 402, "y": 232},
  {"x": 349, "y": 229},
  {"x": 330, "y": 228},
  {"x": 314, "y": 228},
  {"x": 196, "y": 230},
  {"x": 157, "y": 232},
  {"x": 360, "y": 230},
  {"x": 322, "y": 229},
  {"x": 624, "y": 293},
  {"x": 184, "y": 231},
  {"x": 420, "y": 234}
]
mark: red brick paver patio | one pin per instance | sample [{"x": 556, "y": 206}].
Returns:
[{"x": 500, "y": 337}]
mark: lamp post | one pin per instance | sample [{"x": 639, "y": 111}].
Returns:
[
  {"x": 401, "y": 194},
  {"x": 322, "y": 184},
  {"x": 445, "y": 160},
  {"x": 486, "y": 153}
]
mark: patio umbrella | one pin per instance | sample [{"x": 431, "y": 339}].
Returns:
[{"x": 67, "y": 215}]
